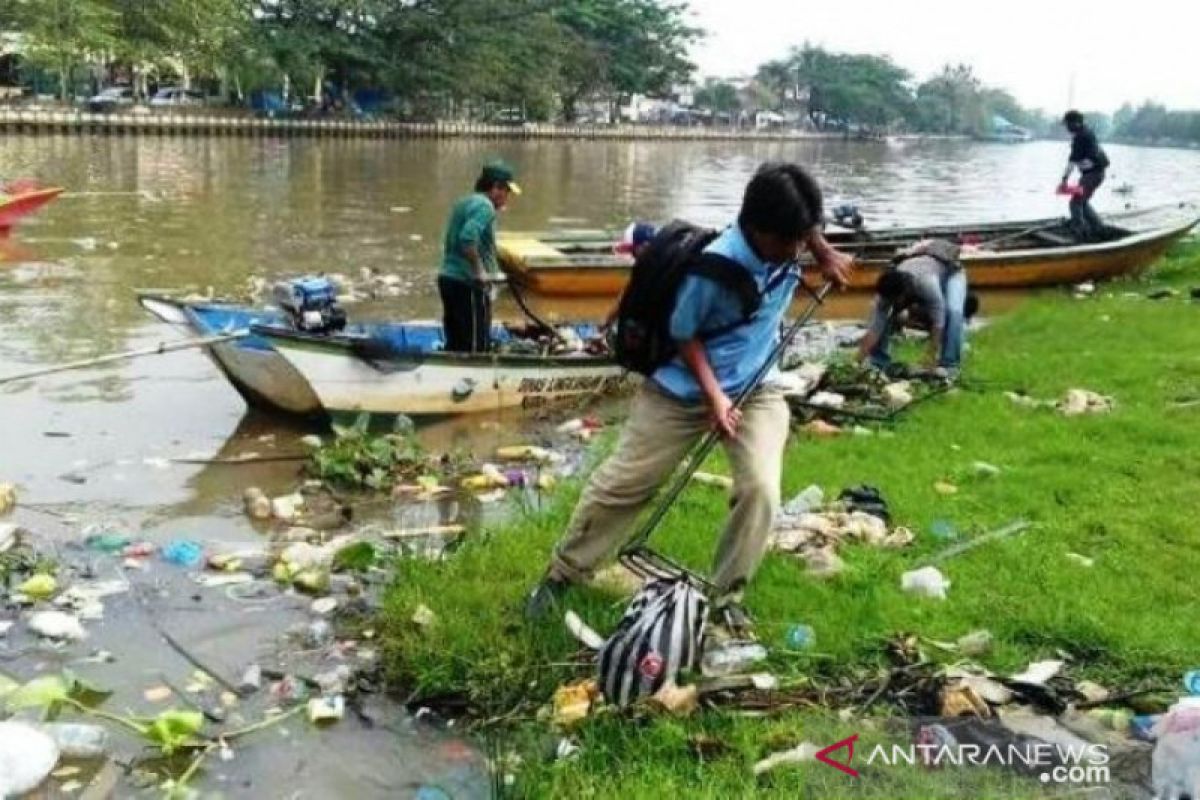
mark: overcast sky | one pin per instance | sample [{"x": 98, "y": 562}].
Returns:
[{"x": 1132, "y": 50}]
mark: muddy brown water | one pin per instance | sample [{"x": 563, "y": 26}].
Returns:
[{"x": 100, "y": 445}]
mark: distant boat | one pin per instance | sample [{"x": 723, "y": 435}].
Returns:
[
  {"x": 1040, "y": 252},
  {"x": 15, "y": 207},
  {"x": 1004, "y": 131}
]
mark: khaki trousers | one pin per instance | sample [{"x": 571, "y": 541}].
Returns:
[{"x": 656, "y": 438}]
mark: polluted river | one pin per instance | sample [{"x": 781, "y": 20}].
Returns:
[{"x": 131, "y": 479}]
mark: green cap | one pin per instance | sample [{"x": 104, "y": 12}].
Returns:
[{"x": 497, "y": 170}]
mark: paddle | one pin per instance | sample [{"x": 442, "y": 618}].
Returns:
[{"x": 163, "y": 347}]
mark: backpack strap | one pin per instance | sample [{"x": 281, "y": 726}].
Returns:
[{"x": 731, "y": 275}]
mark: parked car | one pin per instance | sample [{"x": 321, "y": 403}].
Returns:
[
  {"x": 175, "y": 97},
  {"x": 110, "y": 99}
]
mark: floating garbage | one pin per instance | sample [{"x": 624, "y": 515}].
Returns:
[
  {"x": 287, "y": 507},
  {"x": 8, "y": 497},
  {"x": 926, "y": 582},
  {"x": 27, "y": 755},
  {"x": 258, "y": 505},
  {"x": 57, "y": 625},
  {"x": 312, "y": 441},
  {"x": 251, "y": 679},
  {"x": 529, "y": 453},
  {"x": 39, "y": 587},
  {"x": 105, "y": 541},
  {"x": 326, "y": 709},
  {"x": 943, "y": 529},
  {"x": 158, "y": 694},
  {"x": 1039, "y": 672},
  {"x": 945, "y": 487},
  {"x": 1092, "y": 692},
  {"x": 984, "y": 469},
  {"x": 324, "y": 606},
  {"x": 76, "y": 740},
  {"x": 183, "y": 553}
]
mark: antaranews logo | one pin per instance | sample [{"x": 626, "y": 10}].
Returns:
[{"x": 936, "y": 747}]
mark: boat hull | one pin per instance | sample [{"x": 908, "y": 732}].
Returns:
[
  {"x": 17, "y": 207},
  {"x": 606, "y": 276},
  {"x": 439, "y": 384},
  {"x": 263, "y": 377}
]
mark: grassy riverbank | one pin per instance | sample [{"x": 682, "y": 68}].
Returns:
[{"x": 1118, "y": 488}]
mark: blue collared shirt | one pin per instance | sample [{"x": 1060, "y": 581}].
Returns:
[{"x": 704, "y": 305}]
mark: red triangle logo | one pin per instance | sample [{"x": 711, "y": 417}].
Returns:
[{"x": 823, "y": 756}]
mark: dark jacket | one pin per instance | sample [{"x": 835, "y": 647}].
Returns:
[{"x": 1086, "y": 152}]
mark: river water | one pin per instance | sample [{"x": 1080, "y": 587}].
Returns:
[{"x": 188, "y": 214}]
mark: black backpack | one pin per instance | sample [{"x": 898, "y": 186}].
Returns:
[{"x": 643, "y": 340}]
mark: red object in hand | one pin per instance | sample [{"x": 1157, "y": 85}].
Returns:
[{"x": 1069, "y": 191}]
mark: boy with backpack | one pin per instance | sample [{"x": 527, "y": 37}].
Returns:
[{"x": 700, "y": 316}]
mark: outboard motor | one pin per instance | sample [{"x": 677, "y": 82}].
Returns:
[
  {"x": 848, "y": 216},
  {"x": 311, "y": 304}
]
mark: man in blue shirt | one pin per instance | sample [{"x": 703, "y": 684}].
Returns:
[{"x": 780, "y": 217}]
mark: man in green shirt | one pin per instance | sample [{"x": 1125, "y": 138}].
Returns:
[{"x": 469, "y": 260}]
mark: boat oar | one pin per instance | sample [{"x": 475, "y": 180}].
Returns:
[{"x": 163, "y": 347}]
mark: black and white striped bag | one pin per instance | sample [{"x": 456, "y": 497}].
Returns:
[{"x": 660, "y": 635}]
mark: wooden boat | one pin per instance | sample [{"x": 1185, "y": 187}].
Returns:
[
  {"x": 260, "y": 375},
  {"x": 14, "y": 208},
  {"x": 379, "y": 371},
  {"x": 1020, "y": 254}
]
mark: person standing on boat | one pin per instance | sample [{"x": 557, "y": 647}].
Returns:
[
  {"x": 692, "y": 393},
  {"x": 469, "y": 265},
  {"x": 927, "y": 283},
  {"x": 1090, "y": 159}
]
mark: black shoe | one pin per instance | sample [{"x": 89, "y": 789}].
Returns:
[{"x": 544, "y": 598}]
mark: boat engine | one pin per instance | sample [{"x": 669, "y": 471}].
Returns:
[{"x": 311, "y": 304}]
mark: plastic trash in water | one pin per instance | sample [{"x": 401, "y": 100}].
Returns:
[
  {"x": 799, "y": 637},
  {"x": 183, "y": 553},
  {"x": 1191, "y": 681},
  {"x": 26, "y": 757},
  {"x": 731, "y": 659},
  {"x": 107, "y": 542},
  {"x": 78, "y": 741},
  {"x": 1175, "y": 763}
]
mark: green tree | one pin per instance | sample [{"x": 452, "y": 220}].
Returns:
[
  {"x": 717, "y": 95},
  {"x": 64, "y": 34}
]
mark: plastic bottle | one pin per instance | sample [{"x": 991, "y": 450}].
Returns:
[
  {"x": 799, "y": 637},
  {"x": 732, "y": 659},
  {"x": 811, "y": 499}
]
